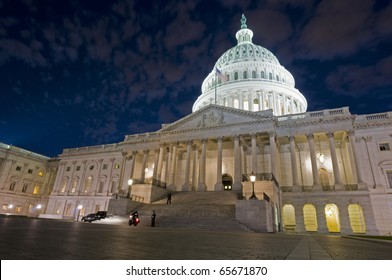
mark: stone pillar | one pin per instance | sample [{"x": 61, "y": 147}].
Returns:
[
  {"x": 156, "y": 158},
  {"x": 321, "y": 219},
  {"x": 160, "y": 162},
  {"x": 132, "y": 167},
  {"x": 272, "y": 152},
  {"x": 294, "y": 168},
  {"x": 335, "y": 165},
  {"x": 185, "y": 186},
  {"x": 254, "y": 153},
  {"x": 166, "y": 175},
  {"x": 202, "y": 185},
  {"x": 316, "y": 180},
  {"x": 351, "y": 136},
  {"x": 194, "y": 171},
  {"x": 173, "y": 166},
  {"x": 144, "y": 162},
  {"x": 299, "y": 219},
  {"x": 219, "y": 184},
  {"x": 237, "y": 186}
]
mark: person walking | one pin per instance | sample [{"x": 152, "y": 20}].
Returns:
[
  {"x": 168, "y": 198},
  {"x": 153, "y": 216}
]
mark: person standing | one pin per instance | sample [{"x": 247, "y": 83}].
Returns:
[{"x": 168, "y": 198}]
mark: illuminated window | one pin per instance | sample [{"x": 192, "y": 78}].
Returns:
[
  {"x": 24, "y": 188},
  {"x": 36, "y": 190},
  {"x": 18, "y": 209},
  {"x": 74, "y": 184},
  {"x": 310, "y": 217},
  {"x": 64, "y": 185},
  {"x": 116, "y": 166},
  {"x": 384, "y": 147},
  {"x": 5, "y": 207},
  {"x": 236, "y": 103},
  {"x": 357, "y": 219},
  {"x": 41, "y": 174},
  {"x": 88, "y": 183},
  {"x": 288, "y": 217}
]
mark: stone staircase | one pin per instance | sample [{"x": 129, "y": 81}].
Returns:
[{"x": 193, "y": 210}]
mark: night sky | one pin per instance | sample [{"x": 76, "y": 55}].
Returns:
[{"x": 88, "y": 72}]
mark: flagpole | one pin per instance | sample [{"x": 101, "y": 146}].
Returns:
[{"x": 216, "y": 84}]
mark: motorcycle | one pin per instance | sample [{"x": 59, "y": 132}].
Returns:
[{"x": 134, "y": 219}]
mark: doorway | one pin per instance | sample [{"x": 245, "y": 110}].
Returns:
[{"x": 227, "y": 182}]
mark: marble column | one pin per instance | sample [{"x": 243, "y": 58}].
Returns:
[
  {"x": 335, "y": 165},
  {"x": 237, "y": 185},
  {"x": 156, "y": 159},
  {"x": 219, "y": 184},
  {"x": 351, "y": 137},
  {"x": 254, "y": 153},
  {"x": 166, "y": 175},
  {"x": 294, "y": 168},
  {"x": 173, "y": 166},
  {"x": 144, "y": 162},
  {"x": 316, "y": 180},
  {"x": 272, "y": 152},
  {"x": 185, "y": 185},
  {"x": 194, "y": 171},
  {"x": 202, "y": 185},
  {"x": 132, "y": 167},
  {"x": 160, "y": 162},
  {"x": 299, "y": 219}
]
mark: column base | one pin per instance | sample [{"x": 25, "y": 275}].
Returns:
[
  {"x": 339, "y": 187},
  {"x": 202, "y": 187},
  {"x": 218, "y": 187},
  {"x": 317, "y": 188},
  {"x": 185, "y": 187}
]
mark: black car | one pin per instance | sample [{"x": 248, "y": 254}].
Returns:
[
  {"x": 101, "y": 214},
  {"x": 90, "y": 218}
]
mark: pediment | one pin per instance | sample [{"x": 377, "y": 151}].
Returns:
[{"x": 216, "y": 116}]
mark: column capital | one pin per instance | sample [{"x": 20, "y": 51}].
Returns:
[
  {"x": 204, "y": 140},
  {"x": 351, "y": 133},
  {"x": 310, "y": 136},
  {"x": 219, "y": 138},
  {"x": 271, "y": 133},
  {"x": 291, "y": 138},
  {"x": 330, "y": 134},
  {"x": 189, "y": 142},
  {"x": 236, "y": 137},
  {"x": 146, "y": 151},
  {"x": 134, "y": 153},
  {"x": 124, "y": 154}
]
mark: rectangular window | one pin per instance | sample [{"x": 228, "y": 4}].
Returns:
[
  {"x": 41, "y": 174},
  {"x": 24, "y": 188},
  {"x": 5, "y": 207},
  {"x": 105, "y": 166},
  {"x": 18, "y": 168},
  {"x": 78, "y": 168},
  {"x": 68, "y": 169},
  {"x": 101, "y": 184},
  {"x": 384, "y": 147},
  {"x": 12, "y": 186},
  {"x": 36, "y": 190},
  {"x": 18, "y": 209},
  {"x": 116, "y": 166}
]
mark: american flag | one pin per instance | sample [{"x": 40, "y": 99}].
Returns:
[{"x": 220, "y": 74}]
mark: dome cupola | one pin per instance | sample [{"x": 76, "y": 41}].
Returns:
[{"x": 250, "y": 77}]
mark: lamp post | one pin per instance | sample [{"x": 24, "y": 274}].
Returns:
[
  {"x": 130, "y": 182},
  {"x": 79, "y": 209},
  {"x": 253, "y": 179},
  {"x": 39, "y": 206}
]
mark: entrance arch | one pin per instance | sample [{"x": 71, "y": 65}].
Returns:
[
  {"x": 310, "y": 217},
  {"x": 288, "y": 217},
  {"x": 332, "y": 217},
  {"x": 357, "y": 220},
  {"x": 227, "y": 182},
  {"x": 324, "y": 177}
]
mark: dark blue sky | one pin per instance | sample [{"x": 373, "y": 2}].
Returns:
[{"x": 78, "y": 73}]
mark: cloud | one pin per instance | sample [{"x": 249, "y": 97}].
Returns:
[
  {"x": 337, "y": 29},
  {"x": 355, "y": 80}
]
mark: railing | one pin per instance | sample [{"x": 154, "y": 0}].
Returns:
[
  {"x": 351, "y": 187},
  {"x": 328, "y": 188},
  {"x": 286, "y": 188},
  {"x": 150, "y": 181}
]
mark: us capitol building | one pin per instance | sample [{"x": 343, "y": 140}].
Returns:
[{"x": 250, "y": 134}]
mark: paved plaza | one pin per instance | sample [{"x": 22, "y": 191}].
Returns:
[{"x": 27, "y": 238}]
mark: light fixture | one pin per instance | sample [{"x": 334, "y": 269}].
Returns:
[
  {"x": 320, "y": 155},
  {"x": 39, "y": 206},
  {"x": 328, "y": 211},
  {"x": 130, "y": 182},
  {"x": 253, "y": 180}
]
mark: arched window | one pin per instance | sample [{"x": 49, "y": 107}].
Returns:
[
  {"x": 87, "y": 184},
  {"x": 262, "y": 75},
  {"x": 270, "y": 76},
  {"x": 288, "y": 217},
  {"x": 357, "y": 220},
  {"x": 324, "y": 177},
  {"x": 245, "y": 75},
  {"x": 246, "y": 105},
  {"x": 332, "y": 217},
  {"x": 236, "y": 76},
  {"x": 277, "y": 78},
  {"x": 255, "y": 104},
  {"x": 227, "y": 77},
  {"x": 64, "y": 184},
  {"x": 310, "y": 217},
  {"x": 253, "y": 74}
]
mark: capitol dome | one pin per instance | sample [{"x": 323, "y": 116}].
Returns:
[{"x": 250, "y": 77}]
